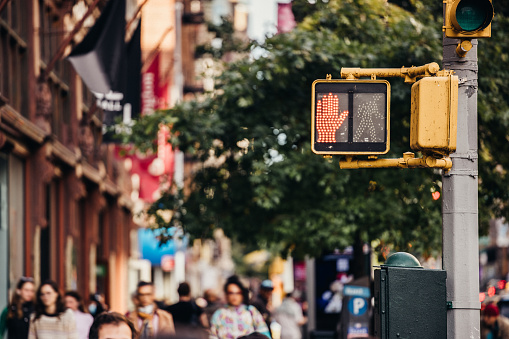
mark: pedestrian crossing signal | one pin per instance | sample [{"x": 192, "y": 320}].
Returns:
[{"x": 350, "y": 117}]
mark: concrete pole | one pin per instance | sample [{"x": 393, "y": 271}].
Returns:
[{"x": 459, "y": 203}]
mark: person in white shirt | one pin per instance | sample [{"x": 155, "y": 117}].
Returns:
[
  {"x": 289, "y": 316},
  {"x": 84, "y": 320}
]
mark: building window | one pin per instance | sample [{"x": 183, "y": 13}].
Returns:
[
  {"x": 61, "y": 110},
  {"x": 51, "y": 34},
  {"x": 13, "y": 55}
]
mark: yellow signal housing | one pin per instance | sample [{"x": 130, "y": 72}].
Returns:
[
  {"x": 469, "y": 19},
  {"x": 434, "y": 115}
]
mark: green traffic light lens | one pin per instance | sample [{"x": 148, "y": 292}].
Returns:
[{"x": 472, "y": 15}]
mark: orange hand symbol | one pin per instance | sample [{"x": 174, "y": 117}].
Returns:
[{"x": 328, "y": 119}]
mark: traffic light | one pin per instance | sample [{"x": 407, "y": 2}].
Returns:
[
  {"x": 434, "y": 115},
  {"x": 469, "y": 19},
  {"x": 350, "y": 117}
]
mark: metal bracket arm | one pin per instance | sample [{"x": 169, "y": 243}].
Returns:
[
  {"x": 408, "y": 161},
  {"x": 464, "y": 305},
  {"x": 410, "y": 74}
]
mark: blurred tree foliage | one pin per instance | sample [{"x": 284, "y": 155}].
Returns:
[
  {"x": 256, "y": 177},
  {"x": 226, "y": 39}
]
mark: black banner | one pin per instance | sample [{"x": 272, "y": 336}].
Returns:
[{"x": 111, "y": 68}]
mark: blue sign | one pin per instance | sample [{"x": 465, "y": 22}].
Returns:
[
  {"x": 357, "y": 306},
  {"x": 358, "y": 331},
  {"x": 356, "y": 291},
  {"x": 151, "y": 249}
]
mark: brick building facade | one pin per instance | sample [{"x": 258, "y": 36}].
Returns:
[{"x": 65, "y": 200}]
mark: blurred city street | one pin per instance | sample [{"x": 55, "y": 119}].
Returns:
[{"x": 214, "y": 168}]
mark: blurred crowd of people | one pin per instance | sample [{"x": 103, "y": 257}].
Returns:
[{"x": 46, "y": 313}]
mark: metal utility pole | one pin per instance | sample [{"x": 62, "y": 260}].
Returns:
[
  {"x": 460, "y": 203},
  {"x": 464, "y": 23}
]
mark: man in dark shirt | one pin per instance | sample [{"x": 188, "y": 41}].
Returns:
[
  {"x": 187, "y": 316},
  {"x": 263, "y": 302}
]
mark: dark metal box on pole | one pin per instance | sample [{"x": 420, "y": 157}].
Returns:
[{"x": 410, "y": 301}]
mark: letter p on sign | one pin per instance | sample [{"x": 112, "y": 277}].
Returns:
[{"x": 357, "y": 306}]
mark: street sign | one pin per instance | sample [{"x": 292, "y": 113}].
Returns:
[
  {"x": 357, "y": 306},
  {"x": 355, "y": 318},
  {"x": 350, "y": 116},
  {"x": 357, "y": 291},
  {"x": 167, "y": 263}
]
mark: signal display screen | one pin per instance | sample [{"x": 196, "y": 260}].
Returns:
[
  {"x": 472, "y": 14},
  {"x": 351, "y": 117}
]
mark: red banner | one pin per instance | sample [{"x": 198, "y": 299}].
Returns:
[
  {"x": 152, "y": 172},
  {"x": 285, "y": 19},
  {"x": 155, "y": 172},
  {"x": 150, "y": 91}
]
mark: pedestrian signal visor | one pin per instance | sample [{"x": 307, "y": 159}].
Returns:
[{"x": 350, "y": 117}]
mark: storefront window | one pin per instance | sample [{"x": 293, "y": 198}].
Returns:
[{"x": 71, "y": 268}]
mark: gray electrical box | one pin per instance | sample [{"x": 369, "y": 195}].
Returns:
[{"x": 410, "y": 303}]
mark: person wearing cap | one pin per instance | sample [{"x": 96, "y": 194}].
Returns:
[
  {"x": 263, "y": 301},
  {"x": 494, "y": 325}
]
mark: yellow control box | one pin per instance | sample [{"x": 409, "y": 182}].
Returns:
[{"x": 434, "y": 115}]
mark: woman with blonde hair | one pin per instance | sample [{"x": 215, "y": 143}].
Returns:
[
  {"x": 51, "y": 320},
  {"x": 16, "y": 317}
]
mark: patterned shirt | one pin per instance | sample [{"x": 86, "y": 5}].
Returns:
[
  {"x": 231, "y": 322},
  {"x": 56, "y": 327}
]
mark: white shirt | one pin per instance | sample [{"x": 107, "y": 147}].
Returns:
[{"x": 83, "y": 323}]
